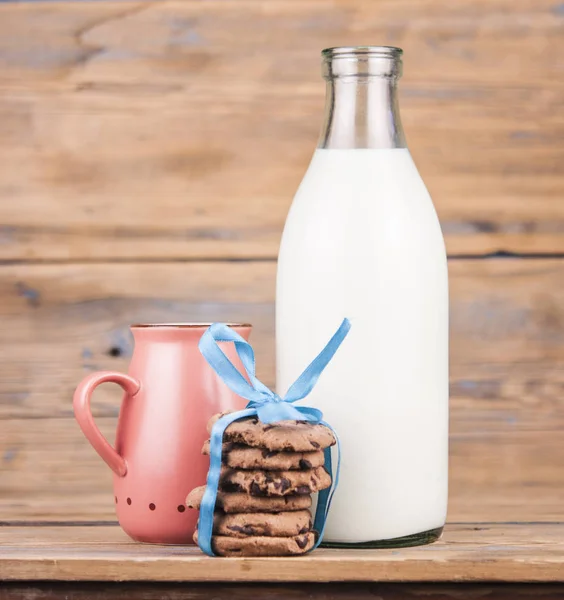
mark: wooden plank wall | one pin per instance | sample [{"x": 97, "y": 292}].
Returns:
[{"x": 149, "y": 152}]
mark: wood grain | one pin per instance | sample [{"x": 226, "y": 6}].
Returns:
[
  {"x": 62, "y": 322},
  {"x": 273, "y": 591},
  {"x": 146, "y": 147},
  {"x": 182, "y": 129},
  {"x": 469, "y": 553}
]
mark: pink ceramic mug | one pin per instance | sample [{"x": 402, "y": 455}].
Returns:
[{"x": 170, "y": 393}]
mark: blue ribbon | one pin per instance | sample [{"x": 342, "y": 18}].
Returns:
[{"x": 269, "y": 407}]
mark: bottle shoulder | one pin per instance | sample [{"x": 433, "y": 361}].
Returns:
[{"x": 378, "y": 193}]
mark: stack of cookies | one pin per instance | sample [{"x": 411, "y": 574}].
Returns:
[{"x": 269, "y": 473}]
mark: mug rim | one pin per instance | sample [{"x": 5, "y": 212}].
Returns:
[{"x": 184, "y": 325}]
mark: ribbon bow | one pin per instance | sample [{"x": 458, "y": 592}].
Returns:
[{"x": 268, "y": 406}]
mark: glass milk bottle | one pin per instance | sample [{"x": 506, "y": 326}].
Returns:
[{"x": 362, "y": 240}]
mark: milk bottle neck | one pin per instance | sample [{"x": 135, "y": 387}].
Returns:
[{"x": 361, "y": 105}]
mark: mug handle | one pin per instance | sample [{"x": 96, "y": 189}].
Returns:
[{"x": 83, "y": 414}]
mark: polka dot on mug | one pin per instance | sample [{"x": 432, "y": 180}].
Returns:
[
  {"x": 115, "y": 498},
  {"x": 152, "y": 506},
  {"x": 129, "y": 501},
  {"x": 181, "y": 508}
]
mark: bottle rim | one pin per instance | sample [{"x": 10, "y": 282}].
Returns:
[{"x": 358, "y": 62}]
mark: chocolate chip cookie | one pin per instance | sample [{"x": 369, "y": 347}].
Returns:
[
  {"x": 243, "y": 503},
  {"x": 292, "y": 436},
  {"x": 283, "y": 524},
  {"x": 223, "y": 545},
  {"x": 245, "y": 457},
  {"x": 275, "y": 483}
]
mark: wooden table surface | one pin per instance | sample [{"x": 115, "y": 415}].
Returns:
[{"x": 468, "y": 553}]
